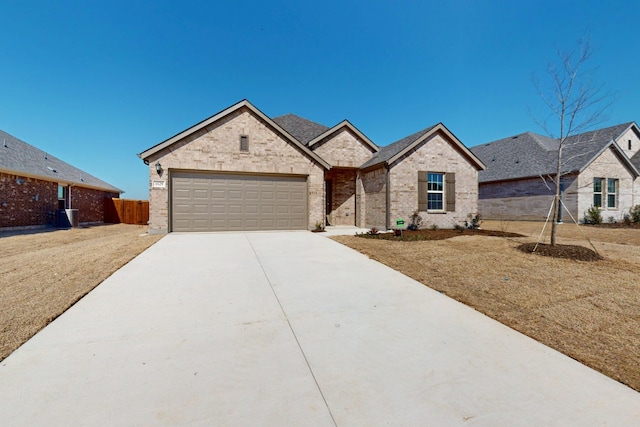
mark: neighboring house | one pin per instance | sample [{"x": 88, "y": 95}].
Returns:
[
  {"x": 242, "y": 170},
  {"x": 35, "y": 185},
  {"x": 600, "y": 168}
]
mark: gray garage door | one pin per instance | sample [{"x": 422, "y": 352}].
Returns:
[{"x": 227, "y": 202}]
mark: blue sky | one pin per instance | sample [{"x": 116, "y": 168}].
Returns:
[{"x": 96, "y": 82}]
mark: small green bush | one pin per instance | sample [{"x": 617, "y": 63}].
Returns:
[
  {"x": 416, "y": 221},
  {"x": 473, "y": 223},
  {"x": 593, "y": 215},
  {"x": 634, "y": 212}
]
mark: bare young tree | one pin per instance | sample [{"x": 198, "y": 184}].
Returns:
[{"x": 576, "y": 104}]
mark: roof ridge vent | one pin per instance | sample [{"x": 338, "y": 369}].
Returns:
[{"x": 4, "y": 142}]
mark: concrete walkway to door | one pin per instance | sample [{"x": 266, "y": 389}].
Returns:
[{"x": 289, "y": 329}]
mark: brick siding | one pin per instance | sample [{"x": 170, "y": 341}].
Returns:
[
  {"x": 217, "y": 148},
  {"x": 28, "y": 202},
  {"x": 437, "y": 154},
  {"x": 343, "y": 186},
  {"x": 372, "y": 194},
  {"x": 90, "y": 203}
]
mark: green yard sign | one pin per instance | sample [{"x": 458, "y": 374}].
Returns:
[{"x": 399, "y": 222}]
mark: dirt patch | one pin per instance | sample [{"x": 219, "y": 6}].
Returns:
[
  {"x": 589, "y": 311},
  {"x": 44, "y": 272},
  {"x": 574, "y": 252}
]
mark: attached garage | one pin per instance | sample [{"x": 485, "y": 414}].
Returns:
[{"x": 202, "y": 201}]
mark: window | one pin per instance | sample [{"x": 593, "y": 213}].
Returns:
[
  {"x": 435, "y": 191},
  {"x": 244, "y": 143},
  {"x": 629, "y": 144},
  {"x": 597, "y": 192},
  {"x": 62, "y": 196},
  {"x": 612, "y": 193}
]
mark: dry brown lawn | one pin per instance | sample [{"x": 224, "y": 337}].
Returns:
[
  {"x": 44, "y": 272},
  {"x": 589, "y": 311}
]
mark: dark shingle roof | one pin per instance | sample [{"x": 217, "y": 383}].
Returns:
[
  {"x": 17, "y": 156},
  {"x": 300, "y": 128},
  {"x": 529, "y": 154},
  {"x": 389, "y": 151}
]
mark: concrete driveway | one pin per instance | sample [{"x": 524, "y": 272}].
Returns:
[{"x": 289, "y": 329}]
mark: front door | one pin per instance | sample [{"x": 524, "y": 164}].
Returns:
[{"x": 329, "y": 199}]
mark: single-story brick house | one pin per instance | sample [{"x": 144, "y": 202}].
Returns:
[
  {"x": 36, "y": 188},
  {"x": 600, "y": 168},
  {"x": 242, "y": 170}
]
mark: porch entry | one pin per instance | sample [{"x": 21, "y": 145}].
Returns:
[{"x": 340, "y": 197}]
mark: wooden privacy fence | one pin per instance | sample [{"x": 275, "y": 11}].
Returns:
[{"x": 125, "y": 211}]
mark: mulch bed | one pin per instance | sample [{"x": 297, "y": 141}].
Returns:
[
  {"x": 438, "y": 234},
  {"x": 632, "y": 225},
  {"x": 578, "y": 253}
]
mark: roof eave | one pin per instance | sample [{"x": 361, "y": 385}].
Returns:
[
  {"x": 479, "y": 165},
  {"x": 347, "y": 124},
  {"x": 619, "y": 153}
]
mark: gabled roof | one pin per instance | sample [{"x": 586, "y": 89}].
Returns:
[
  {"x": 300, "y": 128},
  {"x": 242, "y": 104},
  {"x": 635, "y": 160},
  {"x": 343, "y": 124},
  {"x": 528, "y": 154},
  {"x": 22, "y": 159},
  {"x": 392, "y": 152}
]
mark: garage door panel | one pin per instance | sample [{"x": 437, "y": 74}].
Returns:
[
  {"x": 218, "y": 194},
  {"x": 218, "y": 202},
  {"x": 200, "y": 209}
]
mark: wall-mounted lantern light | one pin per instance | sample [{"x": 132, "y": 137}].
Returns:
[{"x": 159, "y": 168}]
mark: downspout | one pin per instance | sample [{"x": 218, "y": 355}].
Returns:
[
  {"x": 69, "y": 187},
  {"x": 387, "y": 198}
]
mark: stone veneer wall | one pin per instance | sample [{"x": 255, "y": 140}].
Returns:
[
  {"x": 217, "y": 148},
  {"x": 437, "y": 154}
]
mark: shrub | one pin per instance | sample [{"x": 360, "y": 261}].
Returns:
[
  {"x": 434, "y": 227},
  {"x": 626, "y": 219},
  {"x": 611, "y": 220},
  {"x": 416, "y": 221},
  {"x": 373, "y": 231},
  {"x": 473, "y": 223},
  {"x": 459, "y": 227},
  {"x": 319, "y": 226},
  {"x": 593, "y": 215},
  {"x": 634, "y": 212}
]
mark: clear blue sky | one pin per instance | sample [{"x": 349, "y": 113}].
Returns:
[{"x": 96, "y": 82}]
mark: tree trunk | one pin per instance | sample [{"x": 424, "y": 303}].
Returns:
[{"x": 556, "y": 197}]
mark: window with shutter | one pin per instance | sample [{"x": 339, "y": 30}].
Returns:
[
  {"x": 450, "y": 186},
  {"x": 434, "y": 193}
]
